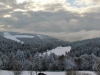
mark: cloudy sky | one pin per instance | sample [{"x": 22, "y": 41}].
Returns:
[{"x": 69, "y": 20}]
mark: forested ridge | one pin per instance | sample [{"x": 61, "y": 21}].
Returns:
[
  {"x": 84, "y": 55},
  {"x": 30, "y": 44},
  {"x": 87, "y": 46}
]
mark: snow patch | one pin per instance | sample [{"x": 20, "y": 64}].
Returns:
[
  {"x": 88, "y": 72},
  {"x": 2, "y": 72},
  {"x": 60, "y": 50},
  {"x": 15, "y": 37},
  {"x": 40, "y": 36}
]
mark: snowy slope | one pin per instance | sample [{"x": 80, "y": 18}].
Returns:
[
  {"x": 48, "y": 73},
  {"x": 60, "y": 50},
  {"x": 40, "y": 36},
  {"x": 15, "y": 37}
]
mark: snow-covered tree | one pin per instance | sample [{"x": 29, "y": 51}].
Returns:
[
  {"x": 53, "y": 65},
  {"x": 96, "y": 66},
  {"x": 70, "y": 65},
  {"x": 61, "y": 63},
  {"x": 45, "y": 59}
]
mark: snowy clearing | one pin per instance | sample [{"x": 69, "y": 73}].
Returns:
[
  {"x": 15, "y": 37},
  {"x": 60, "y": 50},
  {"x": 47, "y": 73}
]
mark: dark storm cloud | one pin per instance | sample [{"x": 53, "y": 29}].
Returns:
[
  {"x": 59, "y": 21},
  {"x": 44, "y": 21}
]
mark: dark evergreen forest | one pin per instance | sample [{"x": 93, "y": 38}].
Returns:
[{"x": 84, "y": 55}]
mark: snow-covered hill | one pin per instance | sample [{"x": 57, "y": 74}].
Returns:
[
  {"x": 60, "y": 50},
  {"x": 32, "y": 42},
  {"x": 15, "y": 37}
]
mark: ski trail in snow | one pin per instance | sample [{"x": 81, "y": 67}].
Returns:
[
  {"x": 40, "y": 36},
  {"x": 14, "y": 37}
]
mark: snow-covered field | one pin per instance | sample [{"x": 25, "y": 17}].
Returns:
[
  {"x": 88, "y": 72},
  {"x": 60, "y": 50},
  {"x": 15, "y": 37},
  {"x": 47, "y": 73}
]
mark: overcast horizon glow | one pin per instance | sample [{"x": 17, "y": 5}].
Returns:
[{"x": 69, "y": 20}]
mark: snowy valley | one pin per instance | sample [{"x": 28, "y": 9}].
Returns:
[{"x": 26, "y": 52}]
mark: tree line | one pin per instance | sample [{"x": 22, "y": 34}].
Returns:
[{"x": 44, "y": 62}]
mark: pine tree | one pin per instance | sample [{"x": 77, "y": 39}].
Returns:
[{"x": 53, "y": 65}]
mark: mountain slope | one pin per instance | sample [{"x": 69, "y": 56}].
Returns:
[
  {"x": 88, "y": 46},
  {"x": 11, "y": 42},
  {"x": 15, "y": 37}
]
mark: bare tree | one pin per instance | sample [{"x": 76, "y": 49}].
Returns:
[
  {"x": 75, "y": 73},
  {"x": 96, "y": 67},
  {"x": 31, "y": 69},
  {"x": 72, "y": 73},
  {"x": 17, "y": 67},
  {"x": 17, "y": 72}
]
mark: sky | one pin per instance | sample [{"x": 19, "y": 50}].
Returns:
[{"x": 69, "y": 20}]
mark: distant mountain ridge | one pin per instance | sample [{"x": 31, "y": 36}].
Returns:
[
  {"x": 12, "y": 41},
  {"x": 87, "y": 46},
  {"x": 57, "y": 54},
  {"x": 42, "y": 43}
]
